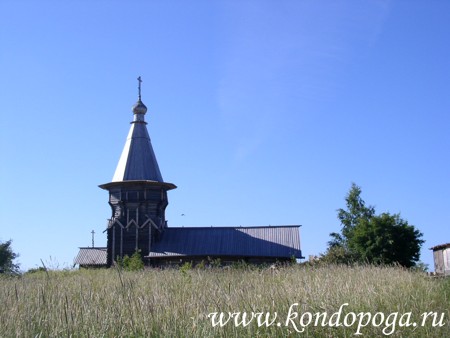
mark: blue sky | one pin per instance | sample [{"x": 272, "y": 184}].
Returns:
[{"x": 261, "y": 112}]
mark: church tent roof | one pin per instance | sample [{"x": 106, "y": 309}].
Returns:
[{"x": 138, "y": 160}]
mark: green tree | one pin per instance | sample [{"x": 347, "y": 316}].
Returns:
[
  {"x": 387, "y": 239},
  {"x": 356, "y": 211},
  {"x": 366, "y": 237},
  {"x": 7, "y": 257}
]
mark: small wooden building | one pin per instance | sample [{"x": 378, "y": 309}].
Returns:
[
  {"x": 90, "y": 257},
  {"x": 441, "y": 256}
]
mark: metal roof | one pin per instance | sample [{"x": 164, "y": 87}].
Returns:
[
  {"x": 267, "y": 241},
  {"x": 138, "y": 160},
  {"x": 440, "y": 246},
  {"x": 91, "y": 256}
]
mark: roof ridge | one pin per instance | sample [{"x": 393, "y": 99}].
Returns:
[{"x": 237, "y": 227}]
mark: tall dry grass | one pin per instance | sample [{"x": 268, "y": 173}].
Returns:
[{"x": 174, "y": 303}]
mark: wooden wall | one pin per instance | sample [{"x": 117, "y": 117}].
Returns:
[{"x": 138, "y": 215}]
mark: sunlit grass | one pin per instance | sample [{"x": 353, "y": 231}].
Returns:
[{"x": 174, "y": 303}]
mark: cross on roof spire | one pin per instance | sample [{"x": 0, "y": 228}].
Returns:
[
  {"x": 139, "y": 86},
  {"x": 93, "y": 233}
]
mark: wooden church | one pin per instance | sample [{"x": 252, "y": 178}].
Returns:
[{"x": 138, "y": 199}]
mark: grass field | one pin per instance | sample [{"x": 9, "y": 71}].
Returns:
[{"x": 176, "y": 303}]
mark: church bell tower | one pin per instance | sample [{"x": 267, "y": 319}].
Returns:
[{"x": 137, "y": 193}]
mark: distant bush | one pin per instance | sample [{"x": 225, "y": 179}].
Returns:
[
  {"x": 133, "y": 263},
  {"x": 337, "y": 255},
  {"x": 36, "y": 270},
  {"x": 187, "y": 266},
  {"x": 214, "y": 263},
  {"x": 201, "y": 265}
]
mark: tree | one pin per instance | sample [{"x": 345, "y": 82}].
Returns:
[
  {"x": 366, "y": 237},
  {"x": 356, "y": 211},
  {"x": 387, "y": 239},
  {"x": 7, "y": 256}
]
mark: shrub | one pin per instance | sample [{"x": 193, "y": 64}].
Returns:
[
  {"x": 186, "y": 267},
  {"x": 133, "y": 263}
]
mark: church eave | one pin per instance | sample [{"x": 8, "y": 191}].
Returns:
[{"x": 147, "y": 183}]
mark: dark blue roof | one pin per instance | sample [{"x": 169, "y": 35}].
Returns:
[{"x": 267, "y": 241}]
